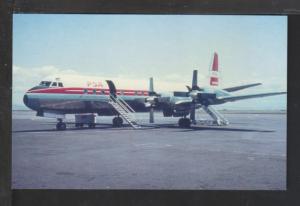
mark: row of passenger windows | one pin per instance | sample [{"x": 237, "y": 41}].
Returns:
[
  {"x": 59, "y": 84},
  {"x": 119, "y": 93}
]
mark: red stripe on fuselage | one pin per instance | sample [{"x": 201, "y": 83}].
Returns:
[{"x": 79, "y": 90}]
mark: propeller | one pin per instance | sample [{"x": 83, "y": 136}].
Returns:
[
  {"x": 193, "y": 92},
  {"x": 152, "y": 100},
  {"x": 151, "y": 90}
]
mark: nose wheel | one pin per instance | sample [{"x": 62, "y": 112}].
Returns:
[
  {"x": 117, "y": 122},
  {"x": 61, "y": 125},
  {"x": 184, "y": 122}
]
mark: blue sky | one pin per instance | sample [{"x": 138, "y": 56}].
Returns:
[{"x": 167, "y": 47}]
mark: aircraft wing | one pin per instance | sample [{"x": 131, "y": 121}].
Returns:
[
  {"x": 240, "y": 97},
  {"x": 233, "y": 89}
]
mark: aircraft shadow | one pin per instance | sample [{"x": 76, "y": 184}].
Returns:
[
  {"x": 126, "y": 127},
  {"x": 215, "y": 128},
  {"x": 147, "y": 127}
]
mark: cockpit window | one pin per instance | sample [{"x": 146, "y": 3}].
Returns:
[
  {"x": 60, "y": 84},
  {"x": 54, "y": 84},
  {"x": 45, "y": 83}
]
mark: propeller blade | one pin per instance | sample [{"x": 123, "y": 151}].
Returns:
[
  {"x": 151, "y": 115},
  {"x": 193, "y": 114},
  {"x": 195, "y": 82},
  {"x": 189, "y": 88},
  {"x": 151, "y": 87},
  {"x": 195, "y": 79},
  {"x": 151, "y": 93}
]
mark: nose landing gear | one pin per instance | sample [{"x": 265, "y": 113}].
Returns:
[
  {"x": 184, "y": 122},
  {"x": 61, "y": 125}
]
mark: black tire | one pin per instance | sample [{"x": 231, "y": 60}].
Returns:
[
  {"x": 120, "y": 121},
  {"x": 117, "y": 122},
  {"x": 184, "y": 122},
  {"x": 187, "y": 122},
  {"x": 61, "y": 126},
  {"x": 180, "y": 122}
]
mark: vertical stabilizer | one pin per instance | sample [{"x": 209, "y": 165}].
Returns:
[
  {"x": 215, "y": 64},
  {"x": 214, "y": 72}
]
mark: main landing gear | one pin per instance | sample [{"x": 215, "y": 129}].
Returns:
[
  {"x": 184, "y": 122},
  {"x": 61, "y": 125},
  {"x": 117, "y": 121}
]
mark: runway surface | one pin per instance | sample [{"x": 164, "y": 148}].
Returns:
[{"x": 248, "y": 154}]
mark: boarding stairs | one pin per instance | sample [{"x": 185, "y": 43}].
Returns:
[
  {"x": 124, "y": 110},
  {"x": 218, "y": 118}
]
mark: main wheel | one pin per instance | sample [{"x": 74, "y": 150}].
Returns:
[
  {"x": 61, "y": 126},
  {"x": 184, "y": 122},
  {"x": 117, "y": 122}
]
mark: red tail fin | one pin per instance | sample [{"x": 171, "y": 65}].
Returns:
[
  {"x": 215, "y": 65},
  {"x": 214, "y": 77},
  {"x": 214, "y": 81}
]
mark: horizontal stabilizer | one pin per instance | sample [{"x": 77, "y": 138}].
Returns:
[
  {"x": 240, "y": 97},
  {"x": 233, "y": 89}
]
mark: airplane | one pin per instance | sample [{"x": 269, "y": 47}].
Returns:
[{"x": 52, "y": 99}]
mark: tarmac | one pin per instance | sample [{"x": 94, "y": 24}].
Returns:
[{"x": 248, "y": 154}]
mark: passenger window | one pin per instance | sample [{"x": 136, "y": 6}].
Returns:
[
  {"x": 60, "y": 84},
  {"x": 54, "y": 84}
]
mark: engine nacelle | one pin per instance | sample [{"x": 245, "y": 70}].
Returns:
[
  {"x": 151, "y": 100},
  {"x": 205, "y": 98}
]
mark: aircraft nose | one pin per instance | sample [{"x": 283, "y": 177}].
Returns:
[{"x": 25, "y": 100}]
